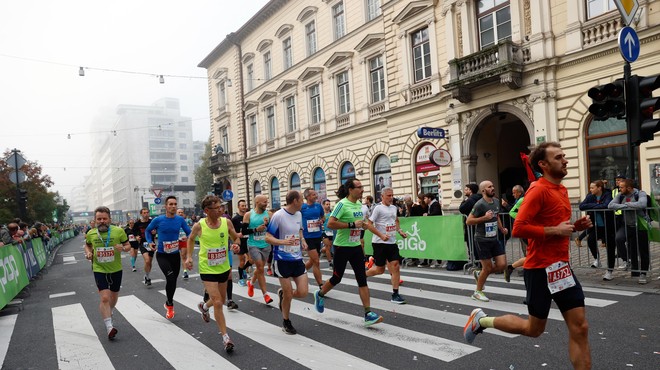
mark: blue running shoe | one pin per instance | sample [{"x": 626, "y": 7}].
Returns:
[
  {"x": 371, "y": 318},
  {"x": 472, "y": 328},
  {"x": 242, "y": 282},
  {"x": 318, "y": 302}
]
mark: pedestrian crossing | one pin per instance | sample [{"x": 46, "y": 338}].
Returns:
[{"x": 438, "y": 299}]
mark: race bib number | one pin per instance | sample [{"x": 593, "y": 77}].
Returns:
[
  {"x": 313, "y": 226},
  {"x": 171, "y": 247},
  {"x": 291, "y": 249},
  {"x": 216, "y": 256},
  {"x": 259, "y": 235},
  {"x": 390, "y": 230},
  {"x": 354, "y": 236},
  {"x": 560, "y": 277},
  {"x": 147, "y": 246},
  {"x": 131, "y": 238},
  {"x": 329, "y": 232},
  {"x": 491, "y": 229},
  {"x": 105, "y": 254}
]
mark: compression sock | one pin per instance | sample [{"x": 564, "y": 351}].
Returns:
[
  {"x": 230, "y": 288},
  {"x": 240, "y": 273},
  {"x": 487, "y": 322},
  {"x": 133, "y": 261}
]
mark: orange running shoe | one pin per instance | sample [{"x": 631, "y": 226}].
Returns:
[
  {"x": 250, "y": 289},
  {"x": 170, "y": 311}
]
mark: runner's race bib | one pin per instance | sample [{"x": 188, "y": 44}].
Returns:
[
  {"x": 131, "y": 238},
  {"x": 147, "y": 247},
  {"x": 560, "y": 277},
  {"x": 491, "y": 229},
  {"x": 259, "y": 235},
  {"x": 313, "y": 225},
  {"x": 291, "y": 249},
  {"x": 390, "y": 230},
  {"x": 216, "y": 256},
  {"x": 105, "y": 254},
  {"x": 354, "y": 236},
  {"x": 171, "y": 247}
]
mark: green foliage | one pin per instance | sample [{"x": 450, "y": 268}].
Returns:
[{"x": 203, "y": 176}]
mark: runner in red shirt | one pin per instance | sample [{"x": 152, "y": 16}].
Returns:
[{"x": 544, "y": 219}]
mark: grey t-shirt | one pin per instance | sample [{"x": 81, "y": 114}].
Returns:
[{"x": 487, "y": 229}]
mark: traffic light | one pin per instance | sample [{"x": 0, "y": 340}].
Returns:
[
  {"x": 641, "y": 107},
  {"x": 23, "y": 196},
  {"x": 217, "y": 188},
  {"x": 608, "y": 100}
]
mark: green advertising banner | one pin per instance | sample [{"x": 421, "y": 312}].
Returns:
[
  {"x": 39, "y": 251},
  {"x": 433, "y": 237},
  {"x": 13, "y": 277}
]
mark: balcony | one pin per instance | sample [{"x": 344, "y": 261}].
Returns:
[
  {"x": 290, "y": 138},
  {"x": 343, "y": 121},
  {"x": 375, "y": 110},
  {"x": 502, "y": 62},
  {"x": 314, "y": 130},
  {"x": 219, "y": 163}
]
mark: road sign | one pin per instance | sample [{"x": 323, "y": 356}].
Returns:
[
  {"x": 227, "y": 195},
  {"x": 15, "y": 160},
  {"x": 628, "y": 9},
  {"x": 629, "y": 44},
  {"x": 20, "y": 174},
  {"x": 157, "y": 200}
]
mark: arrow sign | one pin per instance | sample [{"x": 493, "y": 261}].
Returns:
[{"x": 629, "y": 44}]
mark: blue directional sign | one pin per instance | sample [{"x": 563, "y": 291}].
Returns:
[
  {"x": 629, "y": 44},
  {"x": 157, "y": 200},
  {"x": 430, "y": 133},
  {"x": 227, "y": 195}
]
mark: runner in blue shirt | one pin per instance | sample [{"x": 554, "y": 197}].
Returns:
[{"x": 313, "y": 218}]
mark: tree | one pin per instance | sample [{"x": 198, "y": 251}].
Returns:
[{"x": 203, "y": 176}]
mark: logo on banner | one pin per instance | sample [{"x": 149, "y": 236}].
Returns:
[
  {"x": 9, "y": 271},
  {"x": 413, "y": 242}
]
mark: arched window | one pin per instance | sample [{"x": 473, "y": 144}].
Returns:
[
  {"x": 275, "y": 193},
  {"x": 295, "y": 181},
  {"x": 382, "y": 175},
  {"x": 257, "y": 188},
  {"x": 347, "y": 171},
  {"x": 318, "y": 182},
  {"x": 607, "y": 150}
]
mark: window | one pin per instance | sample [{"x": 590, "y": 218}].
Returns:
[
  {"x": 494, "y": 22},
  {"x": 257, "y": 188},
  {"x": 184, "y": 179},
  {"x": 338, "y": 20},
  {"x": 275, "y": 193},
  {"x": 315, "y": 104},
  {"x": 373, "y": 9},
  {"x": 318, "y": 182},
  {"x": 291, "y": 114},
  {"x": 252, "y": 122},
  {"x": 184, "y": 168},
  {"x": 598, "y": 7},
  {"x": 270, "y": 122},
  {"x": 347, "y": 171},
  {"x": 225, "y": 139},
  {"x": 182, "y": 135},
  {"x": 268, "y": 66},
  {"x": 295, "y": 182},
  {"x": 421, "y": 50},
  {"x": 183, "y": 146},
  {"x": 377, "y": 76},
  {"x": 222, "y": 95},
  {"x": 249, "y": 84},
  {"x": 288, "y": 57},
  {"x": 183, "y": 157},
  {"x": 310, "y": 37},
  {"x": 343, "y": 93},
  {"x": 382, "y": 175},
  {"x": 607, "y": 150}
]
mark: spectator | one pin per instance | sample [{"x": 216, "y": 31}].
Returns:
[
  {"x": 5, "y": 236},
  {"x": 599, "y": 199},
  {"x": 434, "y": 209},
  {"x": 472, "y": 196},
  {"x": 419, "y": 208}
]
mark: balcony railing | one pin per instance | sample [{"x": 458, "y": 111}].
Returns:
[
  {"x": 601, "y": 32},
  {"x": 343, "y": 121},
  {"x": 314, "y": 130},
  {"x": 219, "y": 163},
  {"x": 502, "y": 62},
  {"x": 290, "y": 138}
]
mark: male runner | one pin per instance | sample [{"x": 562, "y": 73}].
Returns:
[
  {"x": 544, "y": 218},
  {"x": 286, "y": 237},
  {"x": 103, "y": 246},
  {"x": 213, "y": 264},
  {"x": 243, "y": 262},
  {"x": 145, "y": 250},
  {"x": 254, "y": 225},
  {"x": 313, "y": 218},
  {"x": 328, "y": 233},
  {"x": 168, "y": 256},
  {"x": 183, "y": 241},
  {"x": 133, "y": 241}
]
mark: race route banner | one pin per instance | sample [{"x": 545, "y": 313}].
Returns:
[
  {"x": 431, "y": 237},
  {"x": 13, "y": 277},
  {"x": 39, "y": 251}
]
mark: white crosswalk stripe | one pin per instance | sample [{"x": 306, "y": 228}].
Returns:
[{"x": 7, "y": 324}]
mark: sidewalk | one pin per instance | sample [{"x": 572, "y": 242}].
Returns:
[{"x": 622, "y": 280}]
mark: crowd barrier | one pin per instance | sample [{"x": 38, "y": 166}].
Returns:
[{"x": 20, "y": 263}]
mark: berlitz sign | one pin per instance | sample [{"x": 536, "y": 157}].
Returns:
[{"x": 430, "y": 133}]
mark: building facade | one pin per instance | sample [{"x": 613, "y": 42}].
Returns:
[{"x": 309, "y": 93}]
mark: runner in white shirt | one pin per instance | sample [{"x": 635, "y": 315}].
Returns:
[{"x": 384, "y": 219}]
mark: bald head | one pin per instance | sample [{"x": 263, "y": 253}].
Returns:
[
  {"x": 261, "y": 202},
  {"x": 487, "y": 189}
]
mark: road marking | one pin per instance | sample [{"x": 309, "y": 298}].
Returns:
[
  {"x": 58, "y": 295},
  {"x": 170, "y": 340},
  {"x": 66, "y": 259},
  {"x": 78, "y": 346},
  {"x": 305, "y": 351},
  {"x": 437, "y": 347},
  {"x": 7, "y": 324}
]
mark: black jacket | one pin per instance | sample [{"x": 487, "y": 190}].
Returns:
[{"x": 467, "y": 205}]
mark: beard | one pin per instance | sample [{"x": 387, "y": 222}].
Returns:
[
  {"x": 559, "y": 173},
  {"x": 102, "y": 228}
]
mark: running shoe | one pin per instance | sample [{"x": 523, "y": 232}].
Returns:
[
  {"x": 623, "y": 266},
  {"x": 267, "y": 299},
  {"x": 507, "y": 273},
  {"x": 250, "y": 289},
  {"x": 608, "y": 276},
  {"x": 229, "y": 345},
  {"x": 145, "y": 280},
  {"x": 318, "y": 302},
  {"x": 205, "y": 313},
  {"x": 269, "y": 272},
  {"x": 478, "y": 295},
  {"x": 288, "y": 328},
  {"x": 396, "y": 298},
  {"x": 280, "y": 295},
  {"x": 400, "y": 282},
  {"x": 472, "y": 327},
  {"x": 242, "y": 282},
  {"x": 133, "y": 269},
  {"x": 111, "y": 333},
  {"x": 642, "y": 279},
  {"x": 475, "y": 273},
  {"x": 185, "y": 274},
  {"x": 371, "y": 318},
  {"x": 232, "y": 305},
  {"x": 170, "y": 311},
  {"x": 370, "y": 263}
]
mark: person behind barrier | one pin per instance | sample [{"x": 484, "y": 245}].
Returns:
[
  {"x": 603, "y": 220},
  {"x": 544, "y": 219},
  {"x": 5, "y": 236}
]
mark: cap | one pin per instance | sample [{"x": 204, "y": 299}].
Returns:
[{"x": 619, "y": 176}]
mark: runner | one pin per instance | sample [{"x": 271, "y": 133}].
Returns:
[
  {"x": 313, "y": 218},
  {"x": 231, "y": 305},
  {"x": 183, "y": 241},
  {"x": 243, "y": 262},
  {"x": 254, "y": 225},
  {"x": 213, "y": 264},
  {"x": 384, "y": 221},
  {"x": 548, "y": 275},
  {"x": 133, "y": 241},
  {"x": 286, "y": 237},
  {"x": 346, "y": 219},
  {"x": 328, "y": 233},
  {"x": 145, "y": 250},
  {"x": 168, "y": 256},
  {"x": 103, "y": 246}
]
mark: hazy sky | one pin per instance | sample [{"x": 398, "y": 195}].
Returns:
[{"x": 42, "y": 103}]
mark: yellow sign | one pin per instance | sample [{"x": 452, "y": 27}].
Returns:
[{"x": 628, "y": 9}]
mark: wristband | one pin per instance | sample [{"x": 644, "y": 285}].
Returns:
[{"x": 351, "y": 225}]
